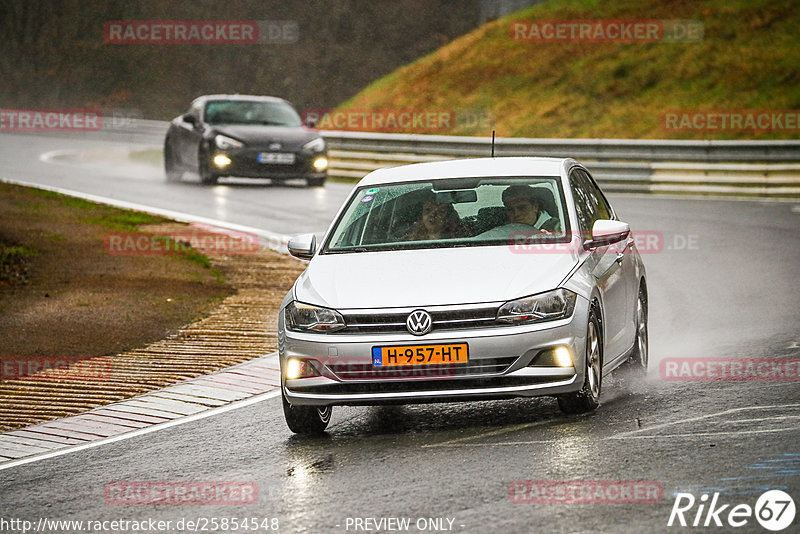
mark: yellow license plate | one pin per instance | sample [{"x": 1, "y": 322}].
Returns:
[{"x": 420, "y": 354}]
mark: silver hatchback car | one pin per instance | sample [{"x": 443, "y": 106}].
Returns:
[{"x": 463, "y": 280}]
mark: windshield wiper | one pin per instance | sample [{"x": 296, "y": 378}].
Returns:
[{"x": 345, "y": 250}]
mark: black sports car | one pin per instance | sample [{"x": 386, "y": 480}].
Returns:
[{"x": 246, "y": 136}]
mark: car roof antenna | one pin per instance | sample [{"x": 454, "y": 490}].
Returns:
[{"x": 492, "y": 143}]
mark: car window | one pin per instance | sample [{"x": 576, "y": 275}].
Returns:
[
  {"x": 251, "y": 112},
  {"x": 584, "y": 207},
  {"x": 603, "y": 208},
  {"x": 430, "y": 214},
  {"x": 590, "y": 203}
]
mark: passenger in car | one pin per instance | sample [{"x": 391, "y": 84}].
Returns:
[
  {"x": 437, "y": 221},
  {"x": 524, "y": 205}
]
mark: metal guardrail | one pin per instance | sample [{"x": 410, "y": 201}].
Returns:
[
  {"x": 601, "y": 149},
  {"x": 727, "y": 168},
  {"x": 737, "y": 168}
]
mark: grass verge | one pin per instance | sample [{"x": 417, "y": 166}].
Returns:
[{"x": 64, "y": 294}]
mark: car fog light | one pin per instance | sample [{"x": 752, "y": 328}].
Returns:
[
  {"x": 555, "y": 357},
  {"x": 563, "y": 358},
  {"x": 299, "y": 368},
  {"x": 294, "y": 368},
  {"x": 320, "y": 164},
  {"x": 221, "y": 160}
]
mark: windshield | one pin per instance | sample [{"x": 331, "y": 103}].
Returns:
[
  {"x": 450, "y": 213},
  {"x": 251, "y": 112}
]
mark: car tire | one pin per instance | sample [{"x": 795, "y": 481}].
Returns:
[
  {"x": 641, "y": 353},
  {"x": 588, "y": 397},
  {"x": 306, "y": 420},
  {"x": 206, "y": 176},
  {"x": 315, "y": 182},
  {"x": 170, "y": 166}
]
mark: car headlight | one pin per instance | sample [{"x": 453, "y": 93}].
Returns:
[
  {"x": 225, "y": 143},
  {"x": 548, "y": 306},
  {"x": 306, "y": 318},
  {"x": 320, "y": 164},
  {"x": 221, "y": 161},
  {"x": 315, "y": 145}
]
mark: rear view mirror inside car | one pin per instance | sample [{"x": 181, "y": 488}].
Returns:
[{"x": 456, "y": 197}]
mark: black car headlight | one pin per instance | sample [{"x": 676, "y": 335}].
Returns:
[
  {"x": 549, "y": 306},
  {"x": 315, "y": 145},
  {"x": 302, "y": 317},
  {"x": 226, "y": 143}
]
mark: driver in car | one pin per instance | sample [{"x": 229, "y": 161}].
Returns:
[{"x": 524, "y": 206}]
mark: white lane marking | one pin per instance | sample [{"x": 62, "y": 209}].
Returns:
[
  {"x": 635, "y": 434},
  {"x": 707, "y": 434},
  {"x": 136, "y": 433},
  {"x": 514, "y": 428},
  {"x": 656, "y": 436},
  {"x": 272, "y": 240},
  {"x": 759, "y": 420},
  {"x": 493, "y": 443},
  {"x": 702, "y": 417},
  {"x": 54, "y": 155}
]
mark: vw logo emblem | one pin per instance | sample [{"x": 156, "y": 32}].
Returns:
[
  {"x": 419, "y": 322},
  {"x": 274, "y": 146}
]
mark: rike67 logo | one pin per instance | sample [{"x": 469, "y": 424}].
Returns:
[{"x": 774, "y": 510}]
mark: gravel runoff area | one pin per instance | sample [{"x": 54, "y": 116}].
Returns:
[{"x": 242, "y": 328}]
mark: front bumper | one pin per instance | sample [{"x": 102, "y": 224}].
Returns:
[
  {"x": 499, "y": 365},
  {"x": 245, "y": 163}
]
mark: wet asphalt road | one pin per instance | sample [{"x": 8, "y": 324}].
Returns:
[{"x": 723, "y": 283}]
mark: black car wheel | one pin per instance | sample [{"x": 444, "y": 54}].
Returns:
[
  {"x": 588, "y": 397},
  {"x": 315, "y": 182},
  {"x": 207, "y": 177},
  {"x": 306, "y": 419},
  {"x": 637, "y": 364},
  {"x": 171, "y": 168}
]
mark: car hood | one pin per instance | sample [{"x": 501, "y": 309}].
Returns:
[
  {"x": 429, "y": 277},
  {"x": 290, "y": 138}
]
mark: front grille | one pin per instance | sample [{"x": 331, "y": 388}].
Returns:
[
  {"x": 485, "y": 366},
  {"x": 393, "y": 323}
]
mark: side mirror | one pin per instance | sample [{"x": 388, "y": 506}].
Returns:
[
  {"x": 303, "y": 246},
  {"x": 191, "y": 119},
  {"x": 607, "y": 232}
]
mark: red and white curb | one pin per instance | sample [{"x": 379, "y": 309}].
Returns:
[{"x": 207, "y": 395}]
